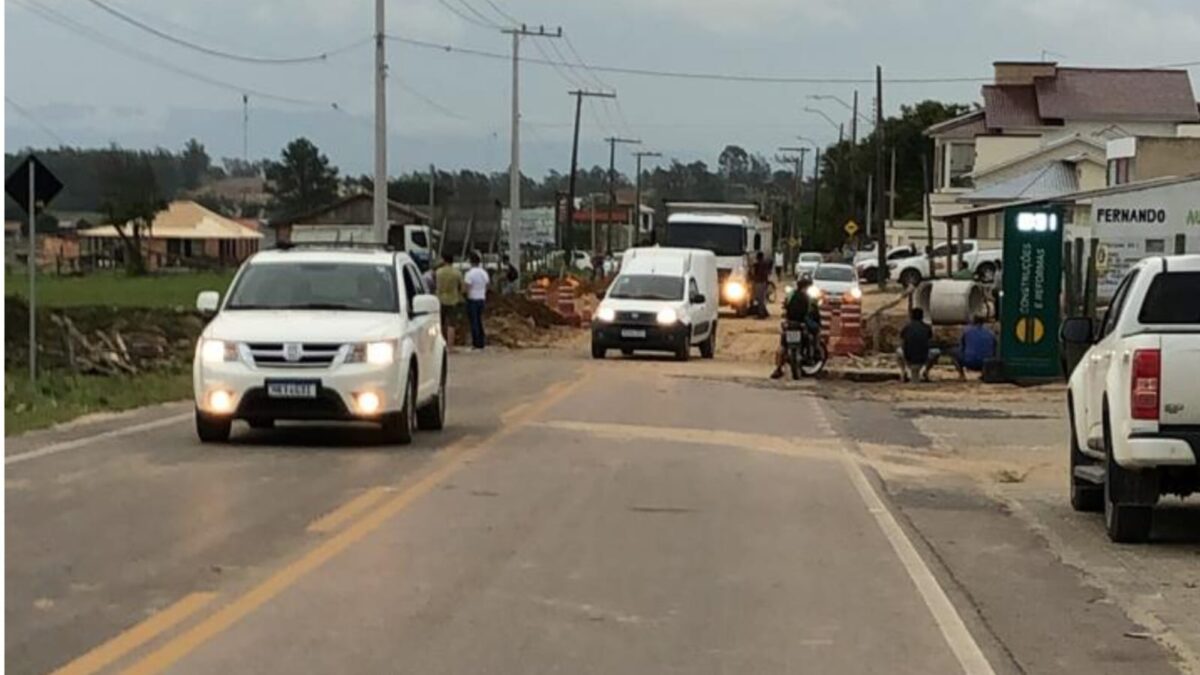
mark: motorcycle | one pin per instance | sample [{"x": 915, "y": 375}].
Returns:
[{"x": 806, "y": 354}]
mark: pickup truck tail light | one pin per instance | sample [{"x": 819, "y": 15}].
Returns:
[{"x": 1145, "y": 383}]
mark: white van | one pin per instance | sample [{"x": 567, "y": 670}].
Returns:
[{"x": 664, "y": 299}]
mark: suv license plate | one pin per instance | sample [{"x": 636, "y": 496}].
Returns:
[
  {"x": 793, "y": 337},
  {"x": 291, "y": 389},
  {"x": 633, "y": 333}
]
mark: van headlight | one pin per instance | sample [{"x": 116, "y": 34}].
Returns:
[
  {"x": 217, "y": 351},
  {"x": 667, "y": 316},
  {"x": 380, "y": 353},
  {"x": 606, "y": 314},
  {"x": 735, "y": 290}
]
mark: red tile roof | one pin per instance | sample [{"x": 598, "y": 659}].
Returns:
[
  {"x": 1010, "y": 105},
  {"x": 1117, "y": 95}
]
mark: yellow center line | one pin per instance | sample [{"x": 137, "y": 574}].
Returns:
[
  {"x": 342, "y": 514},
  {"x": 137, "y": 636},
  {"x": 463, "y": 452}
]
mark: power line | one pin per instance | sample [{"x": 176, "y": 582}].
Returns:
[
  {"x": 63, "y": 21},
  {"x": 482, "y": 17},
  {"x": 34, "y": 119},
  {"x": 687, "y": 75},
  {"x": 244, "y": 58},
  {"x": 466, "y": 17},
  {"x": 501, "y": 12},
  {"x": 571, "y": 46},
  {"x": 568, "y": 78}
]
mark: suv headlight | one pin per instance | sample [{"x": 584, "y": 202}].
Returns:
[
  {"x": 606, "y": 314},
  {"x": 667, "y": 316},
  {"x": 379, "y": 353},
  {"x": 217, "y": 351}
]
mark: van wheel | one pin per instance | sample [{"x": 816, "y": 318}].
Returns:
[
  {"x": 598, "y": 352},
  {"x": 398, "y": 427},
  {"x": 708, "y": 348},
  {"x": 1085, "y": 497},
  {"x": 1125, "y": 523},
  {"x": 212, "y": 429},
  {"x": 684, "y": 351}
]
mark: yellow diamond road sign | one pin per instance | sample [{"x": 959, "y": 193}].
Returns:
[{"x": 851, "y": 227}]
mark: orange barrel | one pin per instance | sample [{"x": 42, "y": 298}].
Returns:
[{"x": 848, "y": 339}]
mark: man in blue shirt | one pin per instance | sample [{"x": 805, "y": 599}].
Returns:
[{"x": 977, "y": 345}]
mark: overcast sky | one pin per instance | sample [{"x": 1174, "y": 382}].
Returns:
[{"x": 86, "y": 93}]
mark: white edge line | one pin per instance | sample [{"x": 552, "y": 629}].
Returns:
[
  {"x": 65, "y": 446},
  {"x": 955, "y": 632}
]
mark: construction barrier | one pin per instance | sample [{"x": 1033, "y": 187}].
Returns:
[
  {"x": 847, "y": 337},
  {"x": 537, "y": 291}
]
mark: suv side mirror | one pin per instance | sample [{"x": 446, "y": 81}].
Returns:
[
  {"x": 426, "y": 304},
  {"x": 698, "y": 299},
  {"x": 208, "y": 301},
  {"x": 1078, "y": 331}
]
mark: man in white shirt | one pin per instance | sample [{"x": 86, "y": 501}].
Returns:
[{"x": 477, "y": 281}]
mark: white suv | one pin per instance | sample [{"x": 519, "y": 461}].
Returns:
[{"x": 322, "y": 334}]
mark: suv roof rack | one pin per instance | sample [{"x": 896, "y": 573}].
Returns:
[{"x": 352, "y": 245}]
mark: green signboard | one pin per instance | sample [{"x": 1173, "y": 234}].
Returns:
[{"x": 1029, "y": 308}]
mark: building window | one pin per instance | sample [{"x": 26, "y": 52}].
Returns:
[
  {"x": 1156, "y": 246},
  {"x": 960, "y": 162},
  {"x": 1119, "y": 172}
]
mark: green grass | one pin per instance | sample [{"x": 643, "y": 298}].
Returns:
[
  {"x": 118, "y": 290},
  {"x": 60, "y": 397}
]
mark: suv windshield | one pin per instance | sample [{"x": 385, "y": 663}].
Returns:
[
  {"x": 312, "y": 285},
  {"x": 723, "y": 240},
  {"x": 1172, "y": 299},
  {"x": 834, "y": 274},
  {"x": 647, "y": 287}
]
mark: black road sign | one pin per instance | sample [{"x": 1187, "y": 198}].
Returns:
[{"x": 45, "y": 184}]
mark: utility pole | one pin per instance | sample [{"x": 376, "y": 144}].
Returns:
[
  {"x": 637, "y": 190},
  {"x": 578, "y": 94},
  {"x": 853, "y": 150},
  {"x": 245, "y": 128},
  {"x": 432, "y": 181},
  {"x": 612, "y": 185},
  {"x": 32, "y": 261},
  {"x": 816, "y": 191},
  {"x": 792, "y": 224},
  {"x": 928, "y": 212},
  {"x": 881, "y": 230},
  {"x": 870, "y": 213},
  {"x": 514, "y": 167},
  {"x": 892, "y": 192},
  {"x": 379, "y": 220}
]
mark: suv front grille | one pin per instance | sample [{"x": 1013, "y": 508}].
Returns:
[{"x": 312, "y": 354}]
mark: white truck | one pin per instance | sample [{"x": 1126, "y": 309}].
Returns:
[
  {"x": 420, "y": 242},
  {"x": 733, "y": 232},
  {"x": 983, "y": 263},
  {"x": 866, "y": 263},
  {"x": 1133, "y": 399}
]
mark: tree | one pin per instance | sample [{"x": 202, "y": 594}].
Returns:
[
  {"x": 303, "y": 180},
  {"x": 734, "y": 162},
  {"x": 131, "y": 200},
  {"x": 194, "y": 164}
]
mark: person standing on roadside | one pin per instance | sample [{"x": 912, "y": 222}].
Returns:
[
  {"x": 449, "y": 285},
  {"x": 477, "y": 281},
  {"x": 512, "y": 276},
  {"x": 760, "y": 278}
]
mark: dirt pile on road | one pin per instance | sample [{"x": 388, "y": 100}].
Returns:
[{"x": 516, "y": 322}]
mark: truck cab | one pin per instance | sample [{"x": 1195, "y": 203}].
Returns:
[{"x": 733, "y": 238}]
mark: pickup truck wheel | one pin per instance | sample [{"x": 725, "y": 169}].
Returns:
[
  {"x": 598, "y": 352},
  {"x": 432, "y": 415},
  {"x": 870, "y": 275},
  {"x": 1125, "y": 523},
  {"x": 212, "y": 429},
  {"x": 1085, "y": 497},
  {"x": 910, "y": 278}
]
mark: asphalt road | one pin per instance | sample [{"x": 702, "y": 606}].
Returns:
[{"x": 630, "y": 516}]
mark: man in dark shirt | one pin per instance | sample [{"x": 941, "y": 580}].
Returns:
[
  {"x": 915, "y": 354},
  {"x": 760, "y": 277}
]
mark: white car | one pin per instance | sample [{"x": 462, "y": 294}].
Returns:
[
  {"x": 807, "y": 263},
  {"x": 835, "y": 282},
  {"x": 1134, "y": 397},
  {"x": 322, "y": 334}
]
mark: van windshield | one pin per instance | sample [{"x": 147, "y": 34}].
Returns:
[
  {"x": 647, "y": 287},
  {"x": 723, "y": 240}
]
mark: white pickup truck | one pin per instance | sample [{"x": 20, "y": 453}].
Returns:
[
  {"x": 983, "y": 263},
  {"x": 866, "y": 263},
  {"x": 1134, "y": 397}
]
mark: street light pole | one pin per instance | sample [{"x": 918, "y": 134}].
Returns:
[
  {"x": 379, "y": 218},
  {"x": 612, "y": 185}
]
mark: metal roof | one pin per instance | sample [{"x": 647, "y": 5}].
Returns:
[
  {"x": 1073, "y": 197},
  {"x": 1052, "y": 179}
]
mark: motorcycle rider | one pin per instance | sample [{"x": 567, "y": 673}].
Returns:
[{"x": 798, "y": 308}]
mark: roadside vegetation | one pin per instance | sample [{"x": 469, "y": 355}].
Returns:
[{"x": 106, "y": 342}]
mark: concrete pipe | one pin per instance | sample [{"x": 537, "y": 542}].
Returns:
[{"x": 951, "y": 302}]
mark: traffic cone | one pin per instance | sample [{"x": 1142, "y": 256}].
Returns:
[{"x": 848, "y": 338}]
